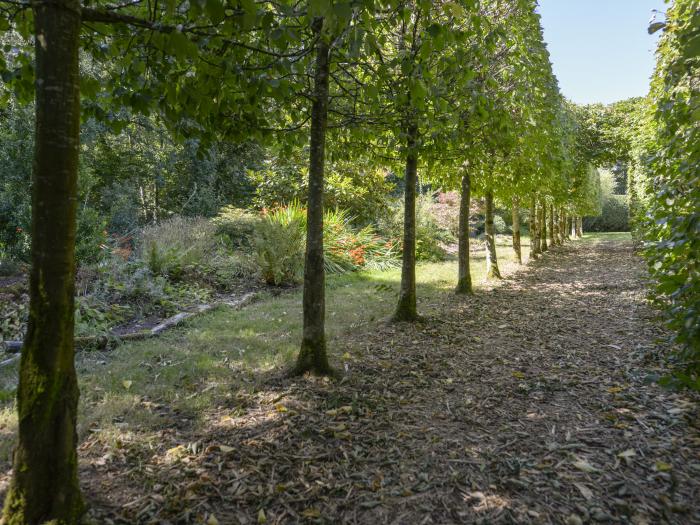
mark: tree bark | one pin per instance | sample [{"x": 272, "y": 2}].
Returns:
[
  {"x": 44, "y": 486},
  {"x": 562, "y": 225},
  {"x": 516, "y": 231},
  {"x": 406, "y": 309},
  {"x": 312, "y": 355},
  {"x": 464, "y": 278},
  {"x": 580, "y": 226},
  {"x": 492, "y": 271},
  {"x": 552, "y": 236},
  {"x": 543, "y": 226},
  {"x": 534, "y": 241}
]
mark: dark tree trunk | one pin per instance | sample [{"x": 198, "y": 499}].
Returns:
[
  {"x": 534, "y": 241},
  {"x": 312, "y": 356},
  {"x": 562, "y": 226},
  {"x": 44, "y": 485},
  {"x": 516, "y": 231},
  {"x": 543, "y": 226},
  {"x": 464, "y": 278},
  {"x": 552, "y": 236},
  {"x": 492, "y": 271},
  {"x": 406, "y": 309}
]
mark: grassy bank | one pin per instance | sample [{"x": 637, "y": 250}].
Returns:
[{"x": 206, "y": 361}]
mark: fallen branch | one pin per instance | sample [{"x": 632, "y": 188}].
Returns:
[{"x": 102, "y": 340}]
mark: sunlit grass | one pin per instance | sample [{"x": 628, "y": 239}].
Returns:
[{"x": 204, "y": 363}]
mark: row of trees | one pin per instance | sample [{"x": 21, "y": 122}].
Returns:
[{"x": 458, "y": 92}]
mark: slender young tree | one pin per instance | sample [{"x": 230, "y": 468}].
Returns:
[
  {"x": 534, "y": 235},
  {"x": 312, "y": 355},
  {"x": 464, "y": 278},
  {"x": 516, "y": 230},
  {"x": 543, "y": 226},
  {"x": 492, "y": 271},
  {"x": 44, "y": 485},
  {"x": 552, "y": 235}
]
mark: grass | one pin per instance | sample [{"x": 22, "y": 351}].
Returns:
[
  {"x": 204, "y": 364},
  {"x": 607, "y": 236}
]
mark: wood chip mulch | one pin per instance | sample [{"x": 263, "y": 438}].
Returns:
[{"x": 528, "y": 403}]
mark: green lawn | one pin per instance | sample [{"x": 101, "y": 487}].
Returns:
[{"x": 200, "y": 364}]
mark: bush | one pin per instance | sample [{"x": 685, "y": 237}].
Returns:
[
  {"x": 279, "y": 244},
  {"x": 236, "y": 225},
  {"x": 430, "y": 236},
  {"x": 613, "y": 218},
  {"x": 357, "y": 186},
  {"x": 91, "y": 236},
  {"x": 172, "y": 246},
  {"x": 500, "y": 224},
  {"x": 280, "y": 241}
]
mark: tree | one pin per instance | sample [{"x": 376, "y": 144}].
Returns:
[{"x": 44, "y": 485}]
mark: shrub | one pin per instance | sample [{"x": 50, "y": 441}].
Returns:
[
  {"x": 236, "y": 225},
  {"x": 177, "y": 243},
  {"x": 279, "y": 244},
  {"x": 91, "y": 236},
  {"x": 280, "y": 240},
  {"x": 613, "y": 218},
  {"x": 500, "y": 224},
  {"x": 430, "y": 236}
]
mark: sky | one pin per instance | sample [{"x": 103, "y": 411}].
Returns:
[{"x": 600, "y": 49}]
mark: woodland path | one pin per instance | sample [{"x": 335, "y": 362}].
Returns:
[{"x": 526, "y": 403}]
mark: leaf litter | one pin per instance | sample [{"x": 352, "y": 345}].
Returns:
[{"x": 527, "y": 403}]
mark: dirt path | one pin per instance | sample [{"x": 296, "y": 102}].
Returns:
[{"x": 524, "y": 404}]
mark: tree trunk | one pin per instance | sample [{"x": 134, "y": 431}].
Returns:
[
  {"x": 492, "y": 271},
  {"x": 562, "y": 225},
  {"x": 464, "y": 279},
  {"x": 552, "y": 236},
  {"x": 44, "y": 485},
  {"x": 312, "y": 356},
  {"x": 579, "y": 226},
  {"x": 569, "y": 226},
  {"x": 406, "y": 309},
  {"x": 534, "y": 241},
  {"x": 543, "y": 226},
  {"x": 516, "y": 231}
]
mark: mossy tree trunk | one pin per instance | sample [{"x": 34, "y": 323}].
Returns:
[
  {"x": 534, "y": 241},
  {"x": 516, "y": 231},
  {"x": 312, "y": 355},
  {"x": 492, "y": 271},
  {"x": 44, "y": 486},
  {"x": 406, "y": 309},
  {"x": 552, "y": 236},
  {"x": 464, "y": 278}
]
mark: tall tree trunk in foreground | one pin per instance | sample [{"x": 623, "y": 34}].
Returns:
[
  {"x": 312, "y": 356},
  {"x": 464, "y": 278},
  {"x": 516, "y": 231},
  {"x": 534, "y": 241},
  {"x": 492, "y": 271},
  {"x": 44, "y": 485},
  {"x": 579, "y": 227},
  {"x": 552, "y": 236},
  {"x": 406, "y": 308}
]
